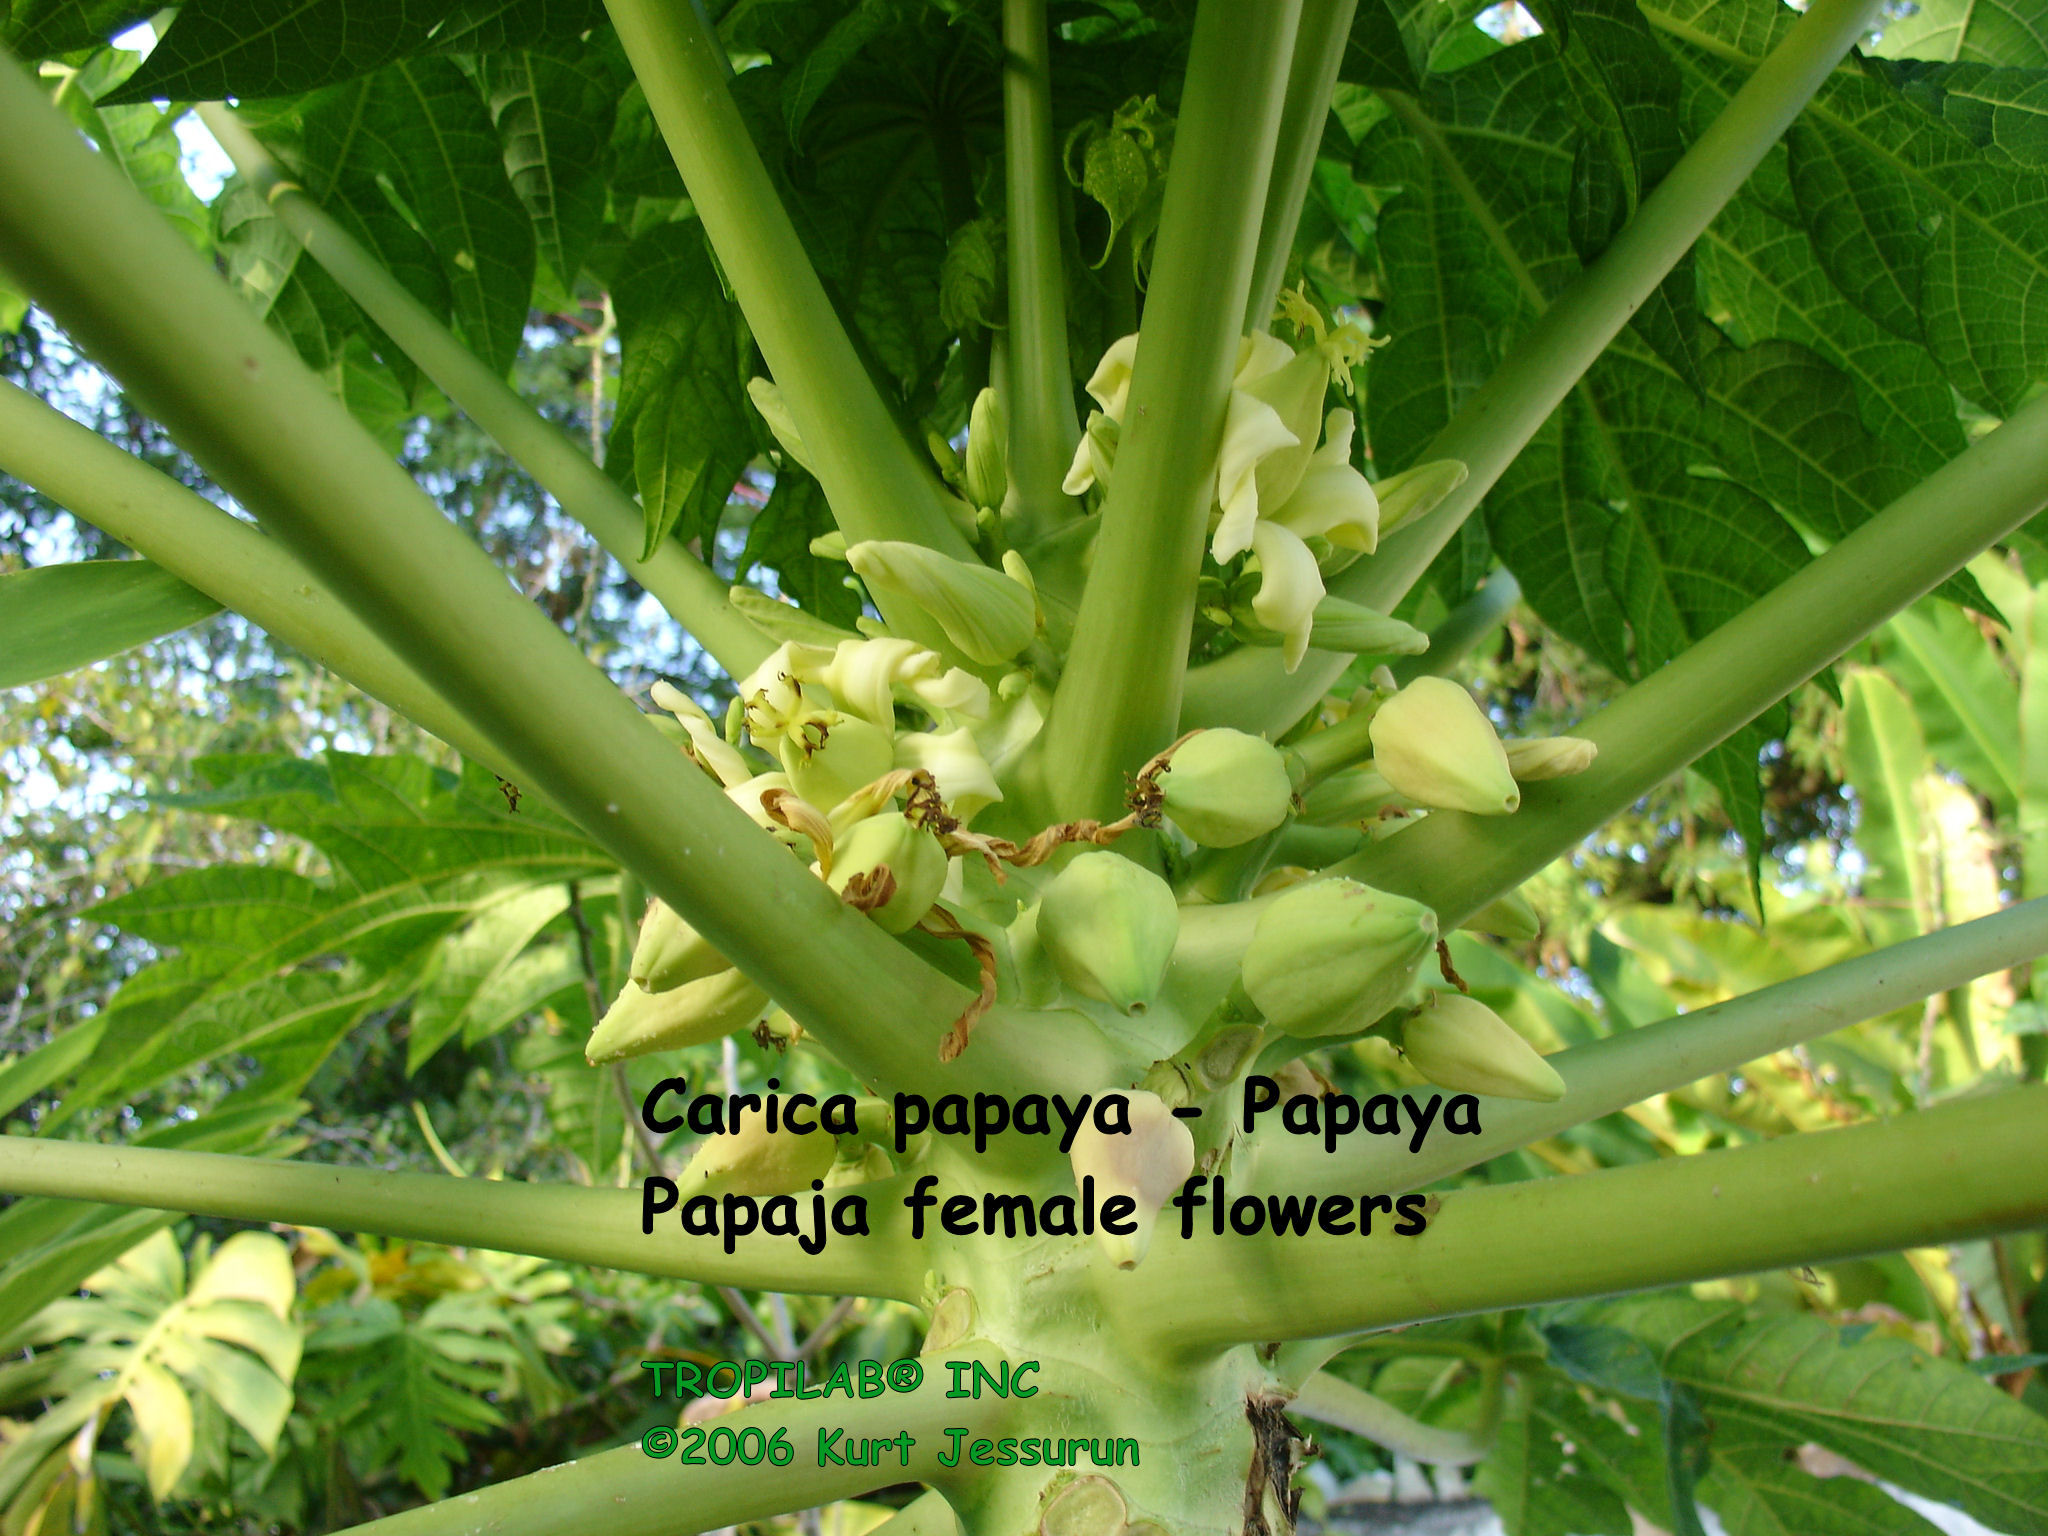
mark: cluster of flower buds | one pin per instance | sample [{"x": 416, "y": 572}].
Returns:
[{"x": 825, "y": 716}]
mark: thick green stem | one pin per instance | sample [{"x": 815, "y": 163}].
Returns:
[
  {"x": 1457, "y": 864},
  {"x": 563, "y": 1222},
  {"x": 682, "y": 584},
  {"x": 1969, "y": 1169},
  {"x": 628, "y": 1492},
  {"x": 159, "y": 318},
  {"x": 222, "y": 556},
  {"x": 1349, "y": 740},
  {"x": 1311, "y": 80},
  {"x": 877, "y": 484},
  {"x": 1038, "y": 378},
  {"x": 1119, "y": 697},
  {"x": 1332, "y": 1400},
  {"x": 927, "y": 1515},
  {"x": 1631, "y": 1066},
  {"x": 1248, "y": 688},
  {"x": 1469, "y": 623}
]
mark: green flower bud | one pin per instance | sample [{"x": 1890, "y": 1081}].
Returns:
[
  {"x": 756, "y": 1161},
  {"x": 854, "y": 752},
  {"x": 913, "y": 855},
  {"x": 774, "y": 410},
  {"x": 1330, "y": 957},
  {"x": 670, "y": 953},
  {"x": 987, "y": 473},
  {"x": 1436, "y": 746},
  {"x": 1148, "y": 1165},
  {"x": 1414, "y": 492},
  {"x": 1549, "y": 757},
  {"x": 1461, "y": 1044},
  {"x": 1342, "y": 626},
  {"x": 641, "y": 1021},
  {"x": 1509, "y": 917},
  {"x": 987, "y": 614},
  {"x": 1224, "y": 788},
  {"x": 1110, "y": 927}
]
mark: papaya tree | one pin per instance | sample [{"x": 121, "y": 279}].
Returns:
[{"x": 1109, "y": 752}]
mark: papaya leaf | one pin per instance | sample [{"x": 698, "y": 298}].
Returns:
[
  {"x": 1925, "y": 1424},
  {"x": 54, "y": 618},
  {"x": 2007, "y": 32},
  {"x": 1758, "y": 1489},
  {"x": 2004, "y": 112},
  {"x": 555, "y": 115},
  {"x": 236, "y": 48},
  {"x": 680, "y": 390},
  {"x": 1536, "y": 1487}
]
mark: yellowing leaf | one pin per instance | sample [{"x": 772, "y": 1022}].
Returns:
[
  {"x": 250, "y": 1266},
  {"x": 163, "y": 1419}
]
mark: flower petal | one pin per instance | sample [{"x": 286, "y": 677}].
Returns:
[
  {"x": 1290, "y": 586},
  {"x": 1336, "y": 502},
  {"x": 1251, "y": 431},
  {"x": 1110, "y": 384}
]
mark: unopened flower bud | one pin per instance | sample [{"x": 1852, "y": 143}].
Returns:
[
  {"x": 640, "y": 1021},
  {"x": 1507, "y": 917},
  {"x": 1415, "y": 492},
  {"x": 767, "y": 398},
  {"x": 987, "y": 473},
  {"x": 1344, "y": 626},
  {"x": 1147, "y": 1165},
  {"x": 757, "y": 1161},
  {"x": 987, "y": 614},
  {"x": 1461, "y": 1044},
  {"x": 1436, "y": 746},
  {"x": 1330, "y": 957},
  {"x": 1223, "y": 787},
  {"x": 1110, "y": 927},
  {"x": 1549, "y": 757},
  {"x": 915, "y": 861},
  {"x": 670, "y": 953}
]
